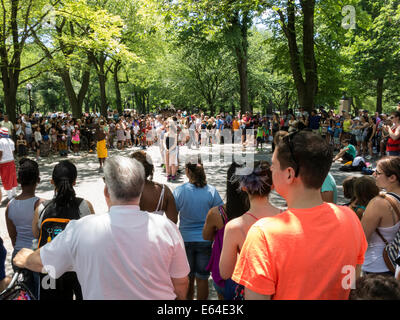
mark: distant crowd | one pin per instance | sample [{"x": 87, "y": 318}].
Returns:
[{"x": 372, "y": 135}]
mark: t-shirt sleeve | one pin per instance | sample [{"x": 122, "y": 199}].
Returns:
[
  {"x": 255, "y": 267},
  {"x": 176, "y": 194},
  {"x": 327, "y": 185},
  {"x": 217, "y": 199},
  {"x": 56, "y": 256}
]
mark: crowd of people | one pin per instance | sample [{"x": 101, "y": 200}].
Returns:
[
  {"x": 372, "y": 136},
  {"x": 158, "y": 243}
]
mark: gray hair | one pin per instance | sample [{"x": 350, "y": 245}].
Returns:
[{"x": 124, "y": 178}]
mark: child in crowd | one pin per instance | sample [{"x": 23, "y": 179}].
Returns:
[
  {"x": 336, "y": 135},
  {"x": 348, "y": 189},
  {"x": 62, "y": 143},
  {"x": 261, "y": 134},
  {"x": 22, "y": 146},
  {"x": 365, "y": 189},
  {"x": 75, "y": 140},
  {"x": 38, "y": 141}
]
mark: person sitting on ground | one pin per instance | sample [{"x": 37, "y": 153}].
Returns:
[
  {"x": 237, "y": 203},
  {"x": 19, "y": 215},
  {"x": 348, "y": 153},
  {"x": 156, "y": 197},
  {"x": 276, "y": 246},
  {"x": 365, "y": 189},
  {"x": 257, "y": 184},
  {"x": 125, "y": 254}
]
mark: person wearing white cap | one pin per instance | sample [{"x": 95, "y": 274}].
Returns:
[{"x": 8, "y": 172}]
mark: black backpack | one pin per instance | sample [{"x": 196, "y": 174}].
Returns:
[{"x": 55, "y": 219}]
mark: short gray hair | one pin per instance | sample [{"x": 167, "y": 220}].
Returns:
[{"x": 124, "y": 178}]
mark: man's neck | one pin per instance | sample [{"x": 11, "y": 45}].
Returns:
[{"x": 303, "y": 198}]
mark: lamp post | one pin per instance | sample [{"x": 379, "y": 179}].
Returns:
[{"x": 29, "y": 88}]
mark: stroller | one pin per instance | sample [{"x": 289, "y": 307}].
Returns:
[{"x": 17, "y": 289}]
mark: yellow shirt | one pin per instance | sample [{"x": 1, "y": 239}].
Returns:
[
  {"x": 235, "y": 125},
  {"x": 346, "y": 125}
]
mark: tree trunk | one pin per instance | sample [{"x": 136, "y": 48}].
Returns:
[
  {"x": 306, "y": 89},
  {"x": 310, "y": 64},
  {"x": 240, "y": 47},
  {"x": 117, "y": 88},
  {"x": 75, "y": 101},
  {"x": 379, "y": 95},
  {"x": 10, "y": 96}
]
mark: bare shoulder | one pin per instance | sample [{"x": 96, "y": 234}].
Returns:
[
  {"x": 377, "y": 206},
  {"x": 235, "y": 225}
]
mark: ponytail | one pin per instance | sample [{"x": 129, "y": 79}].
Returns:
[
  {"x": 65, "y": 194},
  {"x": 64, "y": 176}
]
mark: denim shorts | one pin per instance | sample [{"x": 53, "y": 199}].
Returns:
[{"x": 198, "y": 255}]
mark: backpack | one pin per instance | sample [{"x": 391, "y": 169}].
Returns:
[
  {"x": 391, "y": 250},
  {"x": 53, "y": 222}
]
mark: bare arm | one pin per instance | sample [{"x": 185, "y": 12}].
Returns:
[
  {"x": 181, "y": 286},
  {"x": 210, "y": 226},
  {"x": 35, "y": 228},
  {"x": 29, "y": 259},
  {"x": 170, "y": 211},
  {"x": 251, "y": 295},
  {"x": 91, "y": 209},
  {"x": 395, "y": 135},
  {"x": 373, "y": 215},
  {"x": 12, "y": 231},
  {"x": 230, "y": 250}
]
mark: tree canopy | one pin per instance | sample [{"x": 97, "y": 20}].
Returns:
[{"x": 260, "y": 56}]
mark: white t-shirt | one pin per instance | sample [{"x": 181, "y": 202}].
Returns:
[
  {"x": 125, "y": 254},
  {"x": 7, "y": 146}
]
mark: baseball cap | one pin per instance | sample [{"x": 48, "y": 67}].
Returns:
[{"x": 4, "y": 132}]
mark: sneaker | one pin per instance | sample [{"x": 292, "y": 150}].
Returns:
[
  {"x": 173, "y": 178},
  {"x": 368, "y": 157},
  {"x": 169, "y": 178}
]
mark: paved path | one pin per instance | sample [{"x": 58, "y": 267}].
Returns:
[{"x": 90, "y": 185}]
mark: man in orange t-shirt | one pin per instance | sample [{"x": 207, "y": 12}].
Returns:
[{"x": 314, "y": 250}]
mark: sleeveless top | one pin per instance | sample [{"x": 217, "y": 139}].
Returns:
[
  {"x": 373, "y": 257},
  {"x": 213, "y": 264},
  {"x": 160, "y": 202},
  {"x": 346, "y": 125},
  {"x": 393, "y": 145},
  {"x": 20, "y": 212}
]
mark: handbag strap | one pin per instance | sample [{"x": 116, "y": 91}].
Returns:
[{"x": 394, "y": 207}]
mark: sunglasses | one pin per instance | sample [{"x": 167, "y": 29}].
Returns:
[{"x": 289, "y": 142}]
